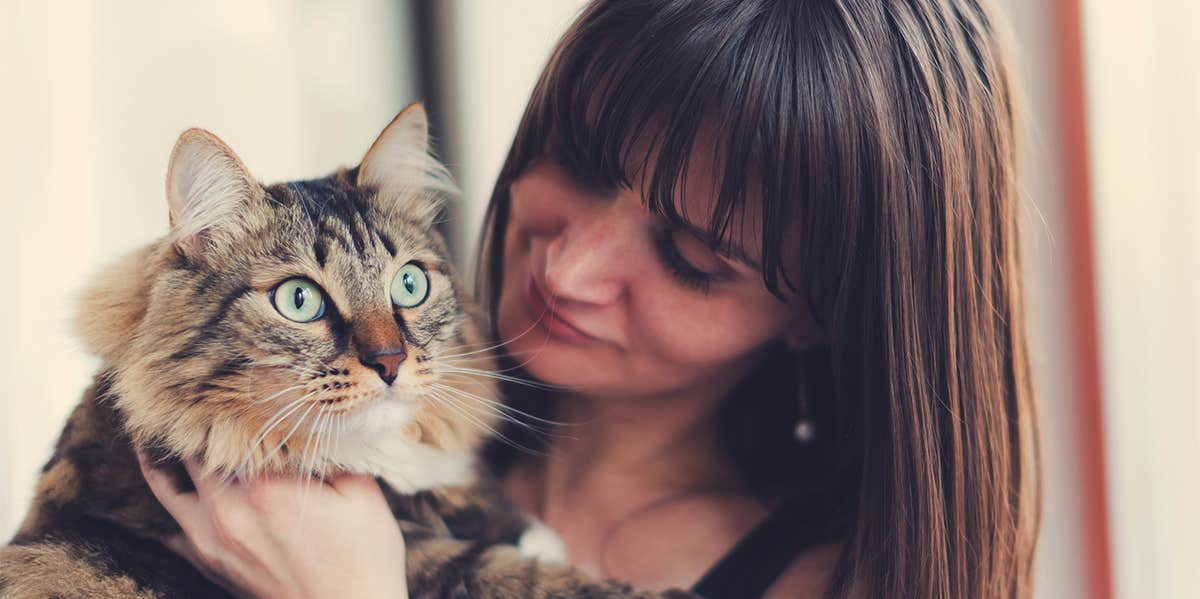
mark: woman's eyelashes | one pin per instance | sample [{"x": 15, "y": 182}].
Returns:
[
  {"x": 690, "y": 260},
  {"x": 684, "y": 271}
]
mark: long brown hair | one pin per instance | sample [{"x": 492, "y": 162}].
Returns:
[{"x": 882, "y": 134}]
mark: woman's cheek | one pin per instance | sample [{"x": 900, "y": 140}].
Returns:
[{"x": 706, "y": 332}]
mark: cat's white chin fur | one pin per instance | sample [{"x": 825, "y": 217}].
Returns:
[
  {"x": 375, "y": 445},
  {"x": 407, "y": 466}
]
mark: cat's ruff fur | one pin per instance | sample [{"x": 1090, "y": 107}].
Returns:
[{"x": 197, "y": 363}]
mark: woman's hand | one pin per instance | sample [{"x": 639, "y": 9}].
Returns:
[{"x": 272, "y": 537}]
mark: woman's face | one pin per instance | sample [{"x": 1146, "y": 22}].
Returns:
[{"x": 604, "y": 297}]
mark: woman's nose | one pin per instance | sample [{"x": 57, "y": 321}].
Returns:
[{"x": 591, "y": 258}]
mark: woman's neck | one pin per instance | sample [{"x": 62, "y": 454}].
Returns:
[
  {"x": 618, "y": 460},
  {"x": 642, "y": 447}
]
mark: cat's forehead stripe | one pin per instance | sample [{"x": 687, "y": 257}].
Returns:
[
  {"x": 341, "y": 215},
  {"x": 319, "y": 251}
]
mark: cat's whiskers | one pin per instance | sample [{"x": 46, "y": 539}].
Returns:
[
  {"x": 336, "y": 435},
  {"x": 495, "y": 346},
  {"x": 275, "y": 420},
  {"x": 457, "y": 365},
  {"x": 284, "y": 362},
  {"x": 288, "y": 436},
  {"x": 506, "y": 412},
  {"x": 309, "y": 371},
  {"x": 319, "y": 461},
  {"x": 454, "y": 405},
  {"x": 276, "y": 395},
  {"x": 484, "y": 386},
  {"x": 320, "y": 457},
  {"x": 305, "y": 470},
  {"x": 485, "y": 345},
  {"x": 498, "y": 375},
  {"x": 459, "y": 409},
  {"x": 470, "y": 363},
  {"x": 327, "y": 446},
  {"x": 484, "y": 350},
  {"x": 486, "y": 407}
]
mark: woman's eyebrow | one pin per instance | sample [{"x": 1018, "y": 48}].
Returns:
[{"x": 730, "y": 250}]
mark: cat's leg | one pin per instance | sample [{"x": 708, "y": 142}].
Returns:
[
  {"x": 54, "y": 570},
  {"x": 444, "y": 568}
]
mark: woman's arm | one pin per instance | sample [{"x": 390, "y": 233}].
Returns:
[{"x": 281, "y": 537}]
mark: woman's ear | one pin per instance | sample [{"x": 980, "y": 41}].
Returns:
[
  {"x": 804, "y": 332},
  {"x": 798, "y": 342}
]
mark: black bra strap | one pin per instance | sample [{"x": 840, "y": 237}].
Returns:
[{"x": 753, "y": 565}]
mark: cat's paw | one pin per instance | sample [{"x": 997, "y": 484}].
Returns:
[{"x": 541, "y": 542}]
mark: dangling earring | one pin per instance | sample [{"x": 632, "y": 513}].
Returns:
[{"x": 805, "y": 431}]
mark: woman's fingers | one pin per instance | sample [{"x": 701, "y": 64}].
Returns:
[
  {"x": 207, "y": 487},
  {"x": 186, "y": 508},
  {"x": 183, "y": 506},
  {"x": 184, "y": 547},
  {"x": 354, "y": 483}
]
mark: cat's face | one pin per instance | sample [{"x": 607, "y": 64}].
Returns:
[{"x": 311, "y": 326}]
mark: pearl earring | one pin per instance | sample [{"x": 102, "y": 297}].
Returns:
[{"x": 805, "y": 430}]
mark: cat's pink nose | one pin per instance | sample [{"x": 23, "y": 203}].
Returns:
[{"x": 386, "y": 362}]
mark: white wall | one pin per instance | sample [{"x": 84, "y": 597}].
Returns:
[
  {"x": 94, "y": 96},
  {"x": 1143, "y": 68},
  {"x": 496, "y": 51},
  {"x": 1060, "y": 568}
]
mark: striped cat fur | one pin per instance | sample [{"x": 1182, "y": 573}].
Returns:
[{"x": 199, "y": 362}]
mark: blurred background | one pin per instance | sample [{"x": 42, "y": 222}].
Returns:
[{"x": 94, "y": 95}]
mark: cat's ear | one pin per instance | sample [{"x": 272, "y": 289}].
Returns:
[
  {"x": 210, "y": 193},
  {"x": 409, "y": 182}
]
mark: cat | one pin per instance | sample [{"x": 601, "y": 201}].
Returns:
[{"x": 311, "y": 327}]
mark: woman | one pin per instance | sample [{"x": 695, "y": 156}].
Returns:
[{"x": 776, "y": 243}]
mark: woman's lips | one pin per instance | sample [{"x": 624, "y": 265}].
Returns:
[{"x": 544, "y": 315}]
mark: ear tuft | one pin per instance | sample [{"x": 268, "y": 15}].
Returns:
[
  {"x": 114, "y": 303},
  {"x": 208, "y": 190},
  {"x": 410, "y": 182}
]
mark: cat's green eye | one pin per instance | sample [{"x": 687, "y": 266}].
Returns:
[
  {"x": 299, "y": 300},
  {"x": 410, "y": 287}
]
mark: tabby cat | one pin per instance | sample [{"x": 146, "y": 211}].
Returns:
[{"x": 311, "y": 327}]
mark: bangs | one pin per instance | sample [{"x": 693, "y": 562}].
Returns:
[{"x": 626, "y": 97}]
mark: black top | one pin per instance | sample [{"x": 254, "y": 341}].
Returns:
[{"x": 749, "y": 569}]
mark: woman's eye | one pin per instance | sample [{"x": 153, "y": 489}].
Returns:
[
  {"x": 691, "y": 262},
  {"x": 410, "y": 286},
  {"x": 299, "y": 300}
]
